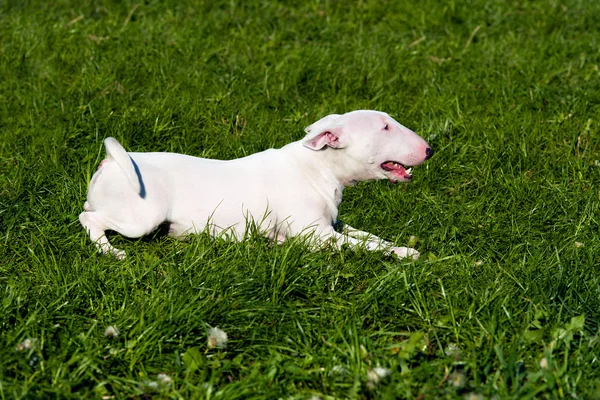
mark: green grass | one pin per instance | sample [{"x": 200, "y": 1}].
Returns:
[{"x": 505, "y": 214}]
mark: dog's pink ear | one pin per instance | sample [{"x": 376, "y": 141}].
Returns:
[
  {"x": 323, "y": 133},
  {"x": 323, "y": 139}
]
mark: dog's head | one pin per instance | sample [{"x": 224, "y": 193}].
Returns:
[{"x": 374, "y": 144}]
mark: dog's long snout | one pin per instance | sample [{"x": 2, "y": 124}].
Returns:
[{"x": 428, "y": 153}]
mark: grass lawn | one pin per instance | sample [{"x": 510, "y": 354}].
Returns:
[{"x": 505, "y": 300}]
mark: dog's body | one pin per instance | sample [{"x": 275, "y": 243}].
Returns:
[{"x": 285, "y": 192}]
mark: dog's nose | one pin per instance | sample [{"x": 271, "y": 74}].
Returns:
[{"x": 428, "y": 153}]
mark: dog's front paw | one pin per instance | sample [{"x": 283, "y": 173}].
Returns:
[
  {"x": 405, "y": 252},
  {"x": 107, "y": 249},
  {"x": 116, "y": 253}
]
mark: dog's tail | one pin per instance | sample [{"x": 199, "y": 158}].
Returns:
[{"x": 116, "y": 152}]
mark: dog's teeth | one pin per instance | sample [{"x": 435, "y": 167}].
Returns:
[{"x": 409, "y": 171}]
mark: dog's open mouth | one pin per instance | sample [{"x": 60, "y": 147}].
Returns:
[{"x": 398, "y": 171}]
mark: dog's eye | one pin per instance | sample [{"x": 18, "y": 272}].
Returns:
[{"x": 386, "y": 127}]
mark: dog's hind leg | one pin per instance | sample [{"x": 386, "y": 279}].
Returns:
[{"x": 95, "y": 227}]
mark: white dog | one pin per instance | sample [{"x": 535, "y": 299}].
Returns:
[{"x": 285, "y": 192}]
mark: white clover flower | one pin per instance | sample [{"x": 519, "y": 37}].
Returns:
[
  {"x": 381, "y": 372},
  {"x": 457, "y": 379},
  {"x": 452, "y": 350},
  {"x": 164, "y": 379},
  {"x": 111, "y": 332},
  {"x": 338, "y": 369},
  {"x": 375, "y": 375},
  {"x": 26, "y": 344},
  {"x": 544, "y": 363},
  {"x": 217, "y": 338}
]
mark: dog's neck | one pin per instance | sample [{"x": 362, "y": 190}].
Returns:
[
  {"x": 329, "y": 170},
  {"x": 342, "y": 168}
]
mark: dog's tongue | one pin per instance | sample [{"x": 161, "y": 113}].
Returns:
[{"x": 397, "y": 169}]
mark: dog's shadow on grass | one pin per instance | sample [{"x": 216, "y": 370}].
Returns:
[{"x": 159, "y": 233}]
